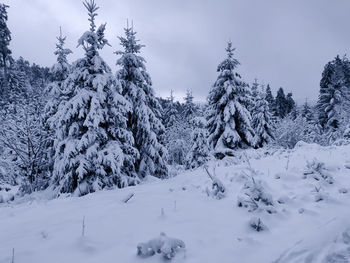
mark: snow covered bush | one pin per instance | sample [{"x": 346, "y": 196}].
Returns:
[
  {"x": 164, "y": 245},
  {"x": 317, "y": 170},
  {"x": 255, "y": 197},
  {"x": 7, "y": 193},
  {"x": 218, "y": 190},
  {"x": 319, "y": 194},
  {"x": 229, "y": 121},
  {"x": 256, "y": 224},
  {"x": 23, "y": 141},
  {"x": 290, "y": 131}
]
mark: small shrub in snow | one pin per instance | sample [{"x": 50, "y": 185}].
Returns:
[
  {"x": 255, "y": 197},
  {"x": 218, "y": 189},
  {"x": 319, "y": 194},
  {"x": 318, "y": 171},
  {"x": 257, "y": 224},
  {"x": 164, "y": 245}
]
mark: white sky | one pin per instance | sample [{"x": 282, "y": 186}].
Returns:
[{"x": 284, "y": 43}]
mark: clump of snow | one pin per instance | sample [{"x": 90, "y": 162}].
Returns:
[
  {"x": 164, "y": 245},
  {"x": 7, "y": 193}
]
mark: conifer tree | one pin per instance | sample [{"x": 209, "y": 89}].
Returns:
[
  {"x": 170, "y": 112},
  {"x": 144, "y": 119},
  {"x": 189, "y": 107},
  {"x": 290, "y": 103},
  {"x": 229, "y": 121},
  {"x": 93, "y": 148},
  {"x": 5, "y": 52},
  {"x": 262, "y": 120},
  {"x": 199, "y": 153},
  {"x": 269, "y": 96},
  {"x": 55, "y": 95},
  {"x": 255, "y": 89},
  {"x": 333, "y": 101},
  {"x": 59, "y": 72},
  {"x": 281, "y": 104},
  {"x": 306, "y": 112}
]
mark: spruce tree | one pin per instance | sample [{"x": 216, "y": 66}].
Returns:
[
  {"x": 199, "y": 153},
  {"x": 170, "y": 112},
  {"x": 262, "y": 120},
  {"x": 93, "y": 148},
  {"x": 189, "y": 107},
  {"x": 59, "y": 72},
  {"x": 290, "y": 103},
  {"x": 255, "y": 89},
  {"x": 306, "y": 112},
  {"x": 229, "y": 121},
  {"x": 144, "y": 119},
  {"x": 281, "y": 104},
  {"x": 5, "y": 52},
  {"x": 55, "y": 95},
  {"x": 269, "y": 96},
  {"x": 333, "y": 101}
]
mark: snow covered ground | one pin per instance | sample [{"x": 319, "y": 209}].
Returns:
[{"x": 310, "y": 223}]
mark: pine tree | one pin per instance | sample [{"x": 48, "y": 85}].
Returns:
[
  {"x": 306, "y": 112},
  {"x": 255, "y": 88},
  {"x": 262, "y": 120},
  {"x": 333, "y": 101},
  {"x": 5, "y": 52},
  {"x": 93, "y": 148},
  {"x": 59, "y": 71},
  {"x": 269, "y": 96},
  {"x": 170, "y": 112},
  {"x": 290, "y": 103},
  {"x": 281, "y": 104},
  {"x": 189, "y": 107},
  {"x": 55, "y": 95},
  {"x": 144, "y": 119},
  {"x": 229, "y": 121},
  {"x": 199, "y": 153}
]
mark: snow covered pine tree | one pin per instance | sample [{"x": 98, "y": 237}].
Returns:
[
  {"x": 93, "y": 148},
  {"x": 262, "y": 120},
  {"x": 60, "y": 71},
  {"x": 144, "y": 119},
  {"x": 200, "y": 152},
  {"x": 170, "y": 112},
  {"x": 229, "y": 121}
]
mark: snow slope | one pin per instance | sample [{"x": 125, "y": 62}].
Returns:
[{"x": 301, "y": 230}]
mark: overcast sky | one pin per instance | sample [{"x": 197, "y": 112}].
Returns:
[{"x": 284, "y": 43}]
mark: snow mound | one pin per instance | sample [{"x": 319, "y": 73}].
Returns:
[{"x": 164, "y": 245}]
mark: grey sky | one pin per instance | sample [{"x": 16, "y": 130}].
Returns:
[{"x": 282, "y": 42}]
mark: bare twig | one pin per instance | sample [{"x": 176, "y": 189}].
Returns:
[{"x": 128, "y": 197}]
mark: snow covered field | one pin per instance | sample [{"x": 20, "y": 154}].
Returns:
[{"x": 310, "y": 222}]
